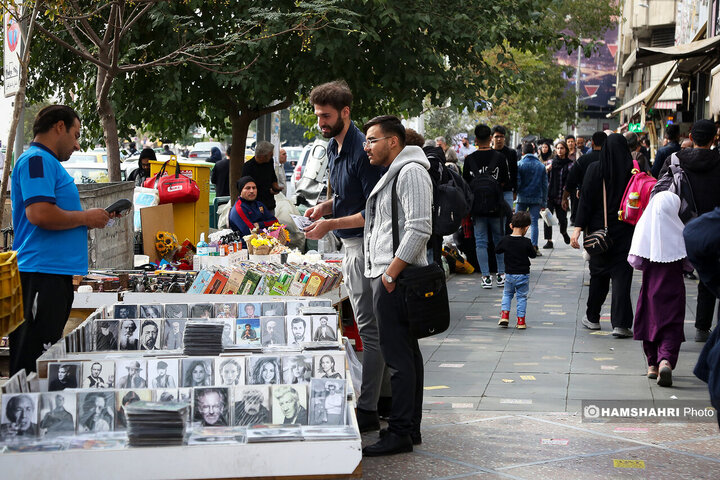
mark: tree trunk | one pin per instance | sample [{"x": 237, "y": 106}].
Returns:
[
  {"x": 240, "y": 125},
  {"x": 109, "y": 124}
]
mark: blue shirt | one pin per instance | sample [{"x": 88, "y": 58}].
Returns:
[
  {"x": 352, "y": 178},
  {"x": 39, "y": 177},
  {"x": 661, "y": 155}
]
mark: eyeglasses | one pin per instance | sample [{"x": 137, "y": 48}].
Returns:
[{"x": 373, "y": 141}]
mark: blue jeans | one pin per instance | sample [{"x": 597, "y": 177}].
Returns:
[
  {"x": 497, "y": 227},
  {"x": 534, "y": 217},
  {"x": 519, "y": 284}
]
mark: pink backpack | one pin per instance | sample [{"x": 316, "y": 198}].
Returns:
[{"x": 636, "y": 196}]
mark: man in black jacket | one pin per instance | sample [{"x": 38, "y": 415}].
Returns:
[
  {"x": 577, "y": 172},
  {"x": 702, "y": 168},
  {"x": 672, "y": 134}
]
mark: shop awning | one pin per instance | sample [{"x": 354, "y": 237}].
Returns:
[
  {"x": 693, "y": 54},
  {"x": 648, "y": 97}
]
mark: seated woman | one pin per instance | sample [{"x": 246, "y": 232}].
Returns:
[
  {"x": 249, "y": 213},
  {"x": 140, "y": 174}
]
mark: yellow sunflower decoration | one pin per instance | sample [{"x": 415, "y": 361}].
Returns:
[{"x": 165, "y": 243}]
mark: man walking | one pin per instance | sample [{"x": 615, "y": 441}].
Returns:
[
  {"x": 532, "y": 189},
  {"x": 498, "y": 143},
  {"x": 450, "y": 155},
  {"x": 672, "y": 135},
  {"x": 50, "y": 233},
  {"x": 577, "y": 173},
  {"x": 352, "y": 178},
  {"x": 486, "y": 162}
]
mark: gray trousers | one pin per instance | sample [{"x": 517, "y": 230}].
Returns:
[{"x": 361, "y": 300}]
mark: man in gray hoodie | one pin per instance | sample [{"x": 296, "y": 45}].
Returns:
[{"x": 385, "y": 144}]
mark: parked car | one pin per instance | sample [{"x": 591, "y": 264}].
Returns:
[
  {"x": 310, "y": 176},
  {"x": 201, "y": 150},
  {"x": 87, "y": 157},
  {"x": 91, "y": 172}
]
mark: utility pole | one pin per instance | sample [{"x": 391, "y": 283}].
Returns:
[{"x": 577, "y": 92}]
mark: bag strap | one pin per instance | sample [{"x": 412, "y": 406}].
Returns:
[
  {"x": 177, "y": 165},
  {"x": 605, "y": 204},
  {"x": 636, "y": 165},
  {"x": 395, "y": 221}
]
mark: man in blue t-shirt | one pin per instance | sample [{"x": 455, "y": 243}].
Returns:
[{"x": 50, "y": 233}]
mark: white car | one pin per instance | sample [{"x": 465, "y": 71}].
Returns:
[
  {"x": 310, "y": 175},
  {"x": 201, "y": 150}
]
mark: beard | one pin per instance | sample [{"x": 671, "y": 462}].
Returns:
[{"x": 335, "y": 129}]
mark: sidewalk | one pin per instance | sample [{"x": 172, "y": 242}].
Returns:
[{"x": 505, "y": 403}]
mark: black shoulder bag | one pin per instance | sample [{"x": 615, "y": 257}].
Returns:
[
  {"x": 423, "y": 289},
  {"x": 599, "y": 241}
]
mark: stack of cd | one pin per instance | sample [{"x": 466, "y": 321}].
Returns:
[
  {"x": 203, "y": 338},
  {"x": 154, "y": 423}
]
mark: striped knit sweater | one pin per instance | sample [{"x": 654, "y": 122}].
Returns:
[{"x": 414, "y": 191}]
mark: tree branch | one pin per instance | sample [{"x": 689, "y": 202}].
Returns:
[
  {"x": 86, "y": 24},
  {"x": 133, "y": 20},
  {"x": 75, "y": 37},
  {"x": 73, "y": 49}
]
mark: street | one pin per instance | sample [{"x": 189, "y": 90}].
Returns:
[{"x": 506, "y": 403}]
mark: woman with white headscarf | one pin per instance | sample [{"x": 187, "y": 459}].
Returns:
[{"x": 658, "y": 249}]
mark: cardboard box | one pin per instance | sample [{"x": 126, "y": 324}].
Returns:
[{"x": 153, "y": 220}]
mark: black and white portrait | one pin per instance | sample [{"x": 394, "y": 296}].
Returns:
[
  {"x": 289, "y": 404},
  {"x": 106, "y": 334},
  {"x": 122, "y": 311},
  {"x": 226, "y": 310},
  {"x": 128, "y": 338},
  {"x": 263, "y": 370},
  {"x": 320, "y": 302},
  {"x": 211, "y": 406},
  {"x": 247, "y": 331},
  {"x": 176, "y": 310},
  {"x": 57, "y": 413},
  {"x": 96, "y": 411},
  {"x": 249, "y": 310},
  {"x": 125, "y": 397},
  {"x": 201, "y": 310},
  {"x": 165, "y": 395},
  {"x": 272, "y": 331},
  {"x": 297, "y": 369},
  {"x": 163, "y": 373},
  {"x": 229, "y": 371},
  {"x": 19, "y": 416},
  {"x": 228, "y": 334},
  {"x": 63, "y": 375},
  {"x": 154, "y": 310},
  {"x": 197, "y": 372},
  {"x": 98, "y": 374},
  {"x": 324, "y": 328},
  {"x": 273, "y": 309},
  {"x": 327, "y": 402},
  {"x": 131, "y": 373},
  {"x": 298, "y": 329},
  {"x": 293, "y": 307},
  {"x": 330, "y": 365},
  {"x": 173, "y": 331},
  {"x": 252, "y": 405},
  {"x": 150, "y": 334}
]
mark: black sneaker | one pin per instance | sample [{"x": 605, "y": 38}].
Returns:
[
  {"x": 566, "y": 238},
  {"x": 416, "y": 437},
  {"x": 389, "y": 444},
  {"x": 538, "y": 253},
  {"x": 701, "y": 336},
  {"x": 548, "y": 245}
]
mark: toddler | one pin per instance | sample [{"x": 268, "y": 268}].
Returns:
[{"x": 518, "y": 251}]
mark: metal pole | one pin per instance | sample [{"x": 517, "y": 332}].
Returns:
[{"x": 577, "y": 93}]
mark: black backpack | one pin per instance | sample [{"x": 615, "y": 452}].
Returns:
[
  {"x": 452, "y": 197},
  {"x": 488, "y": 196},
  {"x": 675, "y": 180}
]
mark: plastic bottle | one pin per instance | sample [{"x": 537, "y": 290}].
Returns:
[{"x": 202, "y": 246}]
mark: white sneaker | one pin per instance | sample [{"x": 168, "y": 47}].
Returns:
[
  {"x": 590, "y": 325},
  {"x": 486, "y": 282},
  {"x": 500, "y": 280}
]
